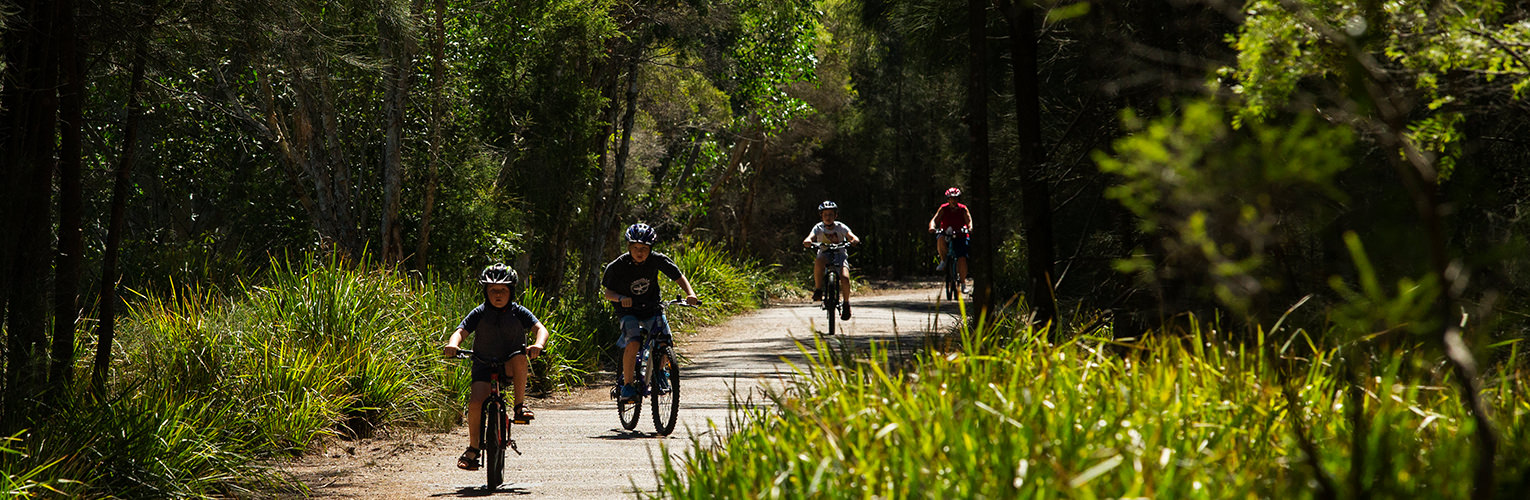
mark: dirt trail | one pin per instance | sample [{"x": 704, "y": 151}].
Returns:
[{"x": 577, "y": 449}]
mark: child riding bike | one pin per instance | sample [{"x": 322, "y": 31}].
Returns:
[
  {"x": 501, "y": 326},
  {"x": 954, "y": 216},
  {"x": 831, "y": 231},
  {"x": 632, "y": 282}
]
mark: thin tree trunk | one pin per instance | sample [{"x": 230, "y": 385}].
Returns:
[
  {"x": 981, "y": 265},
  {"x": 106, "y": 329},
  {"x": 1035, "y": 193},
  {"x": 604, "y": 199},
  {"x": 71, "y": 246},
  {"x": 437, "y": 111},
  {"x": 397, "y": 48},
  {"x": 623, "y": 153},
  {"x": 33, "y": 69}
]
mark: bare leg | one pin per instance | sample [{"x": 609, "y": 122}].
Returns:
[
  {"x": 961, "y": 268},
  {"x": 479, "y": 391},
  {"x": 629, "y": 360},
  {"x": 940, "y": 248},
  {"x": 818, "y": 273},
  {"x": 517, "y": 369},
  {"x": 844, "y": 282}
]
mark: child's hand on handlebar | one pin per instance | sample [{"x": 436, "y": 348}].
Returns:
[
  {"x": 449, "y": 351},
  {"x": 532, "y": 351},
  {"x": 692, "y": 300}
]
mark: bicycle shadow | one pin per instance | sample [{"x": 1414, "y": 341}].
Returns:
[
  {"x": 626, "y": 435},
  {"x": 481, "y": 491}
]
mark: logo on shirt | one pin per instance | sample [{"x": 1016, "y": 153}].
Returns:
[{"x": 640, "y": 286}]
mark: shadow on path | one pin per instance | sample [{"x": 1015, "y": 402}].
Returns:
[{"x": 482, "y": 491}]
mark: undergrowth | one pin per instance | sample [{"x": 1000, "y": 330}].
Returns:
[
  {"x": 209, "y": 383},
  {"x": 1006, "y": 414}
]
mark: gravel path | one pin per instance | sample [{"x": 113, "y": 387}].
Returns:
[{"x": 577, "y": 449}]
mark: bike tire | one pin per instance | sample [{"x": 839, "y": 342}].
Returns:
[
  {"x": 665, "y": 392},
  {"x": 630, "y": 412},
  {"x": 492, "y": 447},
  {"x": 952, "y": 290},
  {"x": 831, "y": 299}
]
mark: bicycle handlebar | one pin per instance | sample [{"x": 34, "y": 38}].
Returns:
[{"x": 829, "y": 246}]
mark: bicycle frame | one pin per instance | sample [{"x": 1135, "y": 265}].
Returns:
[
  {"x": 652, "y": 350},
  {"x": 952, "y": 277},
  {"x": 831, "y": 271},
  {"x": 494, "y": 434}
]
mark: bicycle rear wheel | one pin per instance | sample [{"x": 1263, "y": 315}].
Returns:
[
  {"x": 495, "y": 427},
  {"x": 665, "y": 394},
  {"x": 629, "y": 411}
]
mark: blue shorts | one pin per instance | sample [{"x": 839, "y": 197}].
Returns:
[
  {"x": 632, "y": 329},
  {"x": 959, "y": 245}
]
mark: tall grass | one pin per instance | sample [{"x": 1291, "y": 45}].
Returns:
[
  {"x": 208, "y": 383},
  {"x": 1181, "y": 416}
]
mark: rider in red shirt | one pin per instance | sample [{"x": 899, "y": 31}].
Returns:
[{"x": 955, "y": 215}]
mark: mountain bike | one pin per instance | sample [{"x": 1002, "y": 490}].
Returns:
[
  {"x": 831, "y": 301},
  {"x": 953, "y": 279},
  {"x": 495, "y": 434},
  {"x": 657, "y": 375}
]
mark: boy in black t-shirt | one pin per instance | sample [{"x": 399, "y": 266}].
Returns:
[
  {"x": 632, "y": 282},
  {"x": 501, "y": 326}
]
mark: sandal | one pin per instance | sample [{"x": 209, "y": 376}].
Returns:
[
  {"x": 469, "y": 459},
  {"x": 523, "y": 415}
]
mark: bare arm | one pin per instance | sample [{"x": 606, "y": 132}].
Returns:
[
  {"x": 935, "y": 219},
  {"x": 535, "y": 349},
  {"x": 612, "y": 296},
  {"x": 450, "y": 349},
  {"x": 968, "y": 214},
  {"x": 690, "y": 293}
]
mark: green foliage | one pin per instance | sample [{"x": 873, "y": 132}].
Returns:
[
  {"x": 1216, "y": 194},
  {"x": 1008, "y": 415},
  {"x": 17, "y": 481},
  {"x": 1427, "y": 44}
]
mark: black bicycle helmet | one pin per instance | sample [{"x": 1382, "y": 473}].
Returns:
[
  {"x": 498, "y": 274},
  {"x": 827, "y": 205},
  {"x": 642, "y": 233}
]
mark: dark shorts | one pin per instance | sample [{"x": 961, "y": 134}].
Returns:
[
  {"x": 960, "y": 244},
  {"x": 482, "y": 371}
]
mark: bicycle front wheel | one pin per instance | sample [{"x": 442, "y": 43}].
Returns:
[
  {"x": 665, "y": 390},
  {"x": 952, "y": 287},
  {"x": 496, "y": 425},
  {"x": 831, "y": 299}
]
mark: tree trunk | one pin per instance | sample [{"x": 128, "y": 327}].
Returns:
[
  {"x": 606, "y": 198},
  {"x": 980, "y": 266},
  {"x": 106, "y": 329},
  {"x": 397, "y": 48},
  {"x": 71, "y": 246},
  {"x": 1035, "y": 193},
  {"x": 437, "y": 111},
  {"x": 28, "y": 133}
]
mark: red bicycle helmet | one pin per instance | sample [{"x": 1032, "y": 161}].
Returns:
[{"x": 953, "y": 192}]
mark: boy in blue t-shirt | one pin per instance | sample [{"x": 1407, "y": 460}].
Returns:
[{"x": 501, "y": 326}]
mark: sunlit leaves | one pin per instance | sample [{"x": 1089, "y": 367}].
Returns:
[
  {"x": 1216, "y": 194},
  {"x": 1429, "y": 45}
]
